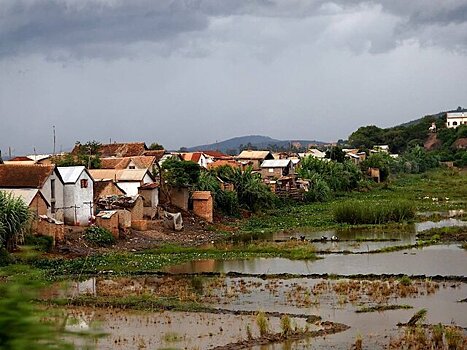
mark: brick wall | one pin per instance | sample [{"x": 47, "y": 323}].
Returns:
[{"x": 203, "y": 205}]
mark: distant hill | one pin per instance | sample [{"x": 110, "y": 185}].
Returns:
[{"x": 254, "y": 141}]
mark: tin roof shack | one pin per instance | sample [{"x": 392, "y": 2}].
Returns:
[
  {"x": 150, "y": 194},
  {"x": 255, "y": 158},
  {"x": 276, "y": 168},
  {"x": 129, "y": 180},
  {"x": 78, "y": 195},
  {"x": 45, "y": 178},
  {"x": 132, "y": 204},
  {"x": 203, "y": 205}
]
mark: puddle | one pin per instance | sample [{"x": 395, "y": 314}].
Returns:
[
  {"x": 352, "y": 240},
  {"x": 446, "y": 214},
  {"x": 427, "y": 225},
  {"x": 444, "y": 260}
]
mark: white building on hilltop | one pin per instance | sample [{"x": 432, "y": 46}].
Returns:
[{"x": 456, "y": 118}]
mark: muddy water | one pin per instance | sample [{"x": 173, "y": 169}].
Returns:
[
  {"x": 352, "y": 239},
  {"x": 374, "y": 327},
  {"x": 445, "y": 260},
  {"x": 165, "y": 330}
]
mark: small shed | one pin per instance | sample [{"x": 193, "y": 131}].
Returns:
[
  {"x": 203, "y": 205},
  {"x": 114, "y": 221}
]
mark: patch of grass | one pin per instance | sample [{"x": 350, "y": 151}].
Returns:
[
  {"x": 42, "y": 243},
  {"x": 358, "y": 212},
  {"x": 380, "y": 308},
  {"x": 158, "y": 258},
  {"x": 263, "y": 323},
  {"x": 444, "y": 234}
]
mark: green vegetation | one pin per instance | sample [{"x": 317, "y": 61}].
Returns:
[
  {"x": 380, "y": 308},
  {"x": 99, "y": 236},
  {"x": 156, "y": 146},
  {"x": 41, "y": 243},
  {"x": 14, "y": 217},
  {"x": 179, "y": 173},
  {"x": 358, "y": 212},
  {"x": 444, "y": 234},
  {"x": 448, "y": 187},
  {"x": 158, "y": 258},
  {"x": 286, "y": 325},
  {"x": 86, "y": 155},
  {"x": 263, "y": 324},
  {"x": 23, "y": 325}
]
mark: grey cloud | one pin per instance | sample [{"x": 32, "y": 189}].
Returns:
[{"x": 114, "y": 28}]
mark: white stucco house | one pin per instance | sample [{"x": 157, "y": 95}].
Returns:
[
  {"x": 78, "y": 194},
  {"x": 456, "y": 118},
  {"x": 129, "y": 180}
]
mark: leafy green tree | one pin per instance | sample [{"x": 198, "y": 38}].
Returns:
[
  {"x": 14, "y": 217},
  {"x": 156, "y": 146},
  {"x": 86, "y": 155},
  {"x": 382, "y": 161},
  {"x": 367, "y": 137},
  {"x": 180, "y": 173},
  {"x": 336, "y": 153}
]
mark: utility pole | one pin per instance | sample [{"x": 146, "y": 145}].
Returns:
[{"x": 53, "y": 127}]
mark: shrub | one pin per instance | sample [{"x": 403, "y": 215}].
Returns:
[
  {"x": 5, "y": 257},
  {"x": 227, "y": 202},
  {"x": 99, "y": 236},
  {"x": 14, "y": 217},
  {"x": 42, "y": 243}
]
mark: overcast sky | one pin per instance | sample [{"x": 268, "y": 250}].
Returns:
[{"x": 188, "y": 72}]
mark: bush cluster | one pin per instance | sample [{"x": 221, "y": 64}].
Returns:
[
  {"x": 42, "y": 243},
  {"x": 99, "y": 236},
  {"x": 356, "y": 212}
]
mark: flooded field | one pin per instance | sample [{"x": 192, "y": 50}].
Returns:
[
  {"x": 444, "y": 260},
  {"x": 351, "y": 292},
  {"x": 237, "y": 300}
]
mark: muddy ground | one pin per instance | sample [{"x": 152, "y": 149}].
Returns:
[{"x": 195, "y": 232}]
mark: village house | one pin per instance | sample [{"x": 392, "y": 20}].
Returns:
[
  {"x": 456, "y": 118},
  {"x": 196, "y": 157},
  {"x": 42, "y": 177},
  {"x": 129, "y": 180},
  {"x": 78, "y": 195},
  {"x": 276, "y": 168},
  {"x": 123, "y": 205},
  {"x": 254, "y": 158},
  {"x": 137, "y": 162}
]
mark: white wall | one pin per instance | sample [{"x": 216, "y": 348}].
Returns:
[
  {"x": 46, "y": 191},
  {"x": 461, "y": 120},
  {"x": 73, "y": 195},
  {"x": 130, "y": 187}
]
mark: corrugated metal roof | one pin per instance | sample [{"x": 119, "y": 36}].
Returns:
[
  {"x": 118, "y": 174},
  {"x": 276, "y": 163},
  {"x": 26, "y": 194},
  {"x": 70, "y": 174}
]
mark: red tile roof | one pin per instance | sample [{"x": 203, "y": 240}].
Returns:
[
  {"x": 155, "y": 153},
  {"x": 114, "y": 163},
  {"x": 24, "y": 176}
]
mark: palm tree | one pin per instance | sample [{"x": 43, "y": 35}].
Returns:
[{"x": 14, "y": 216}]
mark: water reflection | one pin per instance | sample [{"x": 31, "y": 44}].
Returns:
[{"x": 442, "y": 260}]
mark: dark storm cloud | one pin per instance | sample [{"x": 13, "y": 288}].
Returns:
[{"x": 108, "y": 28}]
